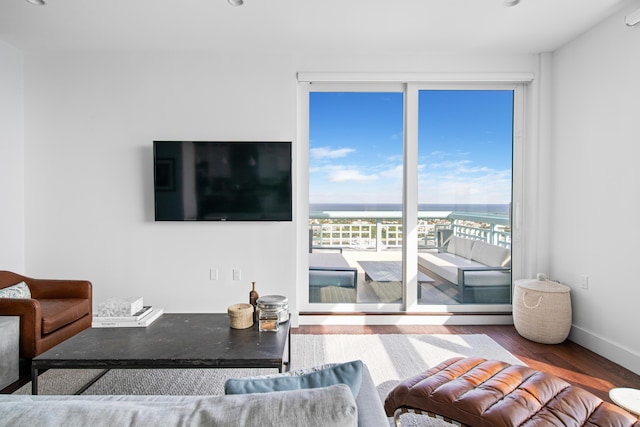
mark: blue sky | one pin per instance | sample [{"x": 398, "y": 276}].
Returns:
[{"x": 464, "y": 154}]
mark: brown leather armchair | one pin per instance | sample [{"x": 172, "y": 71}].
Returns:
[{"x": 57, "y": 310}]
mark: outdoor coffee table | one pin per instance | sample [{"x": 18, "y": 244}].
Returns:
[
  {"x": 173, "y": 341},
  {"x": 389, "y": 271}
]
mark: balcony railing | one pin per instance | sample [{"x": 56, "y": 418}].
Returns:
[{"x": 381, "y": 231}]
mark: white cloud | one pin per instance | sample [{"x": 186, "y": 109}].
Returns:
[
  {"x": 350, "y": 175},
  {"x": 465, "y": 185},
  {"x": 330, "y": 153},
  {"x": 394, "y": 172}
]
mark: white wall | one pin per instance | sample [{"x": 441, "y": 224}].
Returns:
[
  {"x": 12, "y": 225},
  {"x": 595, "y": 195},
  {"x": 91, "y": 120}
]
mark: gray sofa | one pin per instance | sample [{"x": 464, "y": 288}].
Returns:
[
  {"x": 481, "y": 271},
  {"x": 325, "y": 406}
]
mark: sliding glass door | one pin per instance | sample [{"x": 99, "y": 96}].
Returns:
[
  {"x": 465, "y": 152},
  {"x": 410, "y": 195},
  {"x": 355, "y": 197}
]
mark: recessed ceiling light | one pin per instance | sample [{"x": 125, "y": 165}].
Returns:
[
  {"x": 37, "y": 2},
  {"x": 236, "y": 2},
  {"x": 510, "y": 3}
]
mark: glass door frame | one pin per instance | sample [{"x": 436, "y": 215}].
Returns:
[
  {"x": 410, "y": 205},
  {"x": 409, "y": 303},
  {"x": 303, "y": 96}
]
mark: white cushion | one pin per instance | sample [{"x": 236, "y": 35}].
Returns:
[
  {"x": 445, "y": 265},
  {"x": 18, "y": 291},
  {"x": 491, "y": 255},
  {"x": 460, "y": 246}
]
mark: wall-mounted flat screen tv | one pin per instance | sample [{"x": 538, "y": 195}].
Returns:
[{"x": 222, "y": 181}]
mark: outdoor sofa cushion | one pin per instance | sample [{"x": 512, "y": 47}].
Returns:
[
  {"x": 460, "y": 246},
  {"x": 491, "y": 255}
]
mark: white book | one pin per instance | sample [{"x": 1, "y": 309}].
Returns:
[
  {"x": 144, "y": 322},
  {"x": 119, "y": 307},
  {"x": 138, "y": 316}
]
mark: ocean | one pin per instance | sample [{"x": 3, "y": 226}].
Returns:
[{"x": 375, "y": 207}]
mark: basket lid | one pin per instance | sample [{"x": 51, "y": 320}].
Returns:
[{"x": 543, "y": 286}]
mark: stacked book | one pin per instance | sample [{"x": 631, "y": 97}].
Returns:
[{"x": 124, "y": 313}]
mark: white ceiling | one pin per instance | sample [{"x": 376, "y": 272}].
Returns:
[{"x": 419, "y": 26}]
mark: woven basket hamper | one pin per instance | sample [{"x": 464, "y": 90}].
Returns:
[
  {"x": 240, "y": 316},
  {"x": 542, "y": 310}
]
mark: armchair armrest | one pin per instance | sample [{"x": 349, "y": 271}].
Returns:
[{"x": 19, "y": 307}]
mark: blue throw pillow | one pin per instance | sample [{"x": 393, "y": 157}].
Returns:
[{"x": 349, "y": 373}]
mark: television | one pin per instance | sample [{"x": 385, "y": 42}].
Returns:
[{"x": 222, "y": 181}]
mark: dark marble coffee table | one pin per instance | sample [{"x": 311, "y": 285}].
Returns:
[{"x": 173, "y": 341}]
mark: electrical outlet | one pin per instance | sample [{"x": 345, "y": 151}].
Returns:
[
  {"x": 584, "y": 281},
  {"x": 237, "y": 274},
  {"x": 213, "y": 274}
]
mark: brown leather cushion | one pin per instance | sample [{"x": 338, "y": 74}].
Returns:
[
  {"x": 480, "y": 392},
  {"x": 57, "y": 313}
]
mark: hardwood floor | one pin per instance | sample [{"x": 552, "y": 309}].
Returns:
[{"x": 567, "y": 360}]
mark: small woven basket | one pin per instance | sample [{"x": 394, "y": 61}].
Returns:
[
  {"x": 542, "y": 310},
  {"x": 240, "y": 316}
]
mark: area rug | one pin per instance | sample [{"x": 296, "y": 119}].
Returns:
[
  {"x": 393, "y": 357},
  {"x": 389, "y": 357}
]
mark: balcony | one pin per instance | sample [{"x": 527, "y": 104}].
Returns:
[{"x": 375, "y": 238}]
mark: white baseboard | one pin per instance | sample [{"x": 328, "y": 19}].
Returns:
[
  {"x": 613, "y": 351},
  {"x": 392, "y": 319}
]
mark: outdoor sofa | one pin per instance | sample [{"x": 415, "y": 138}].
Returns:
[
  {"x": 331, "y": 269},
  {"x": 481, "y": 271}
]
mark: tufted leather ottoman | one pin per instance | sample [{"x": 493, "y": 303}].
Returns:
[{"x": 477, "y": 392}]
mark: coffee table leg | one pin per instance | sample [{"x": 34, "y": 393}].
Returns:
[
  {"x": 289, "y": 350},
  {"x": 92, "y": 382},
  {"x": 286, "y": 364},
  {"x": 34, "y": 380}
]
